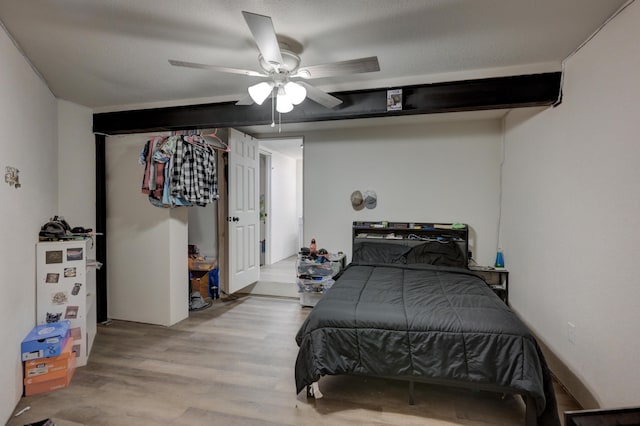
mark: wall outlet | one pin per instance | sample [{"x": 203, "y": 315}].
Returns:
[{"x": 571, "y": 332}]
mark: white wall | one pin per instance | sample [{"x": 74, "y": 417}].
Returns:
[
  {"x": 28, "y": 121},
  {"x": 284, "y": 199},
  {"x": 299, "y": 188},
  {"x": 299, "y": 202},
  {"x": 77, "y": 187},
  {"x": 203, "y": 229},
  {"x": 442, "y": 172},
  {"x": 571, "y": 210},
  {"x": 178, "y": 265},
  {"x": 76, "y": 165},
  {"x": 146, "y": 245}
]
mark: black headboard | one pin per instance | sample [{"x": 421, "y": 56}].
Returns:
[{"x": 412, "y": 233}]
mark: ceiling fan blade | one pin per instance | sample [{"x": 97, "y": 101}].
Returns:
[
  {"x": 265, "y": 36},
  {"x": 216, "y": 68},
  {"x": 245, "y": 100},
  {"x": 319, "y": 96},
  {"x": 353, "y": 66}
]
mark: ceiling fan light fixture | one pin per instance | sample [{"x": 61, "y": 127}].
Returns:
[
  {"x": 295, "y": 92},
  {"x": 283, "y": 102},
  {"x": 261, "y": 91},
  {"x": 279, "y": 64}
]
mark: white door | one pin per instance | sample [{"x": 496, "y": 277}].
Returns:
[{"x": 244, "y": 211}]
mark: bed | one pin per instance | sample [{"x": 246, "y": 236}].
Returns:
[{"x": 408, "y": 308}]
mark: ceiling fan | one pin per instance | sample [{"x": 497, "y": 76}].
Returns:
[{"x": 286, "y": 79}]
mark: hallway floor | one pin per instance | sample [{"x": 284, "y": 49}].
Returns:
[
  {"x": 283, "y": 271},
  {"x": 277, "y": 279}
]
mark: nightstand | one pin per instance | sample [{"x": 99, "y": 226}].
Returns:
[{"x": 496, "y": 278}]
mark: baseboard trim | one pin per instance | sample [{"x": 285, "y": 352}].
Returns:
[
  {"x": 568, "y": 379},
  {"x": 570, "y": 382}
]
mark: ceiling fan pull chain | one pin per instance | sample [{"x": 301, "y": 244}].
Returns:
[{"x": 273, "y": 108}]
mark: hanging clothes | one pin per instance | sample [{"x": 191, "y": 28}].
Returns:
[
  {"x": 179, "y": 171},
  {"x": 166, "y": 155},
  {"x": 153, "y": 179}
]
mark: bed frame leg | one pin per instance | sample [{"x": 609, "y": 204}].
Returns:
[
  {"x": 313, "y": 391},
  {"x": 530, "y": 416},
  {"x": 412, "y": 400}
]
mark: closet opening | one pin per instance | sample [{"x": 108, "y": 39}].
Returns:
[
  {"x": 148, "y": 245},
  {"x": 204, "y": 278},
  {"x": 150, "y": 229}
]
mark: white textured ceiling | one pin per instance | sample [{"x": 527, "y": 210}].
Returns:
[{"x": 112, "y": 54}]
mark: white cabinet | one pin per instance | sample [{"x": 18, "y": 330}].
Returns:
[{"x": 66, "y": 288}]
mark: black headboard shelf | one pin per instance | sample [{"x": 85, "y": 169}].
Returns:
[{"x": 409, "y": 233}]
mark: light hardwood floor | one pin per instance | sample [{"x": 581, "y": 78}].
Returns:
[
  {"x": 232, "y": 364},
  {"x": 283, "y": 271},
  {"x": 277, "y": 279}
]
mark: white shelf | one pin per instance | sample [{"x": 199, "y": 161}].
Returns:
[{"x": 66, "y": 288}]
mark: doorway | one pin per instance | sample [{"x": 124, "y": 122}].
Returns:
[
  {"x": 265, "y": 186},
  {"x": 280, "y": 215}
]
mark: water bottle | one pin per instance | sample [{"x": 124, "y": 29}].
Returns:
[{"x": 499, "y": 259}]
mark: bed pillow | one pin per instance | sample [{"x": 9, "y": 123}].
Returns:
[
  {"x": 440, "y": 253},
  {"x": 379, "y": 252}
]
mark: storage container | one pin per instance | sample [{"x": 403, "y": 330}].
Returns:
[
  {"x": 45, "y": 340},
  {"x": 309, "y": 299},
  {"x": 314, "y": 286}
]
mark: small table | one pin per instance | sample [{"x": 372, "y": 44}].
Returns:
[{"x": 496, "y": 278}]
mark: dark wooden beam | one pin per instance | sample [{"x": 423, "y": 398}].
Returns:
[
  {"x": 467, "y": 95},
  {"x": 101, "y": 227}
]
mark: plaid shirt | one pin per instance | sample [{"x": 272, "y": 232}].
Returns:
[{"x": 193, "y": 177}]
